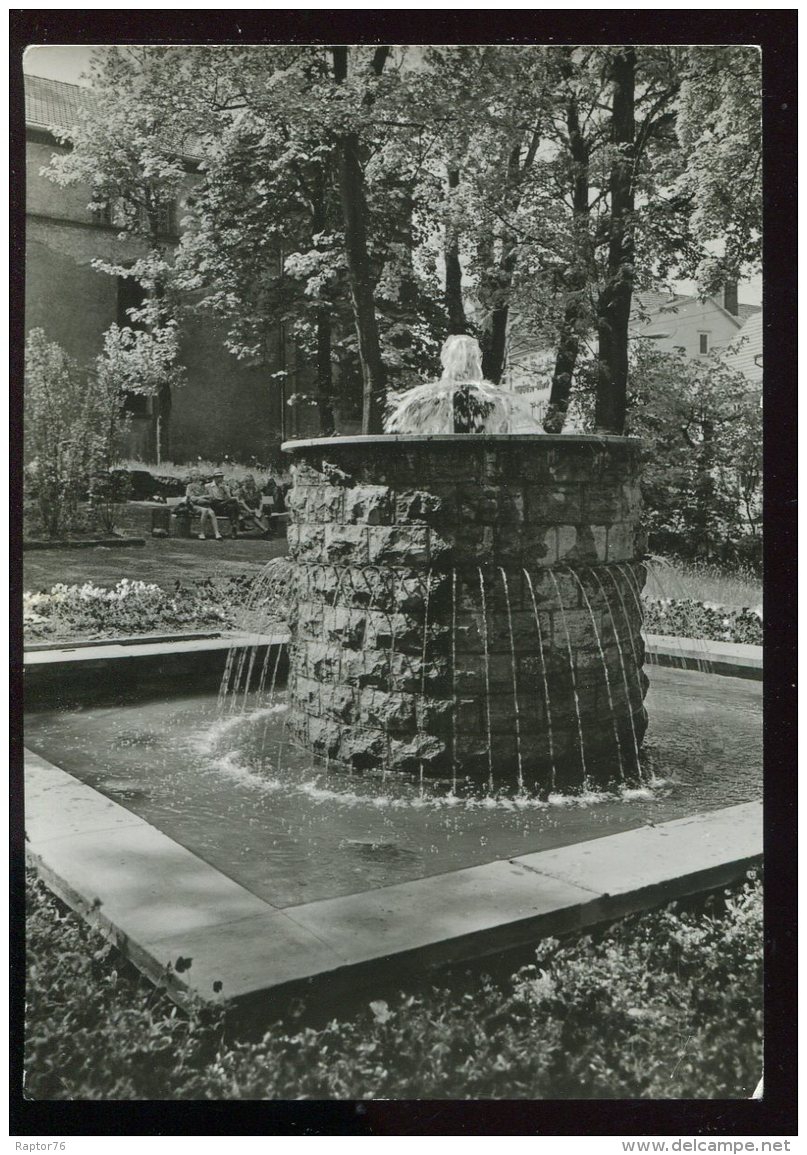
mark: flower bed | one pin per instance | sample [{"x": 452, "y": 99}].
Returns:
[
  {"x": 688, "y": 618},
  {"x": 661, "y": 1005},
  {"x": 132, "y": 607}
]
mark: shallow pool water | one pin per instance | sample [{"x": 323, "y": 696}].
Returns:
[{"x": 230, "y": 788}]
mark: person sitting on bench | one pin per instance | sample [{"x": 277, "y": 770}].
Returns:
[
  {"x": 197, "y": 500},
  {"x": 222, "y": 500},
  {"x": 249, "y": 503}
]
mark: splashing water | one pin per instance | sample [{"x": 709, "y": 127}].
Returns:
[
  {"x": 607, "y": 676},
  {"x": 461, "y": 401}
]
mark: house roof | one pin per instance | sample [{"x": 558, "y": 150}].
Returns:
[
  {"x": 51, "y": 104},
  {"x": 745, "y": 351},
  {"x": 55, "y": 104},
  {"x": 653, "y": 302}
]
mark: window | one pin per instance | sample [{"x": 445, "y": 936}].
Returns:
[
  {"x": 162, "y": 221},
  {"x": 131, "y": 295},
  {"x": 110, "y": 213},
  {"x": 113, "y": 213},
  {"x": 703, "y": 339}
]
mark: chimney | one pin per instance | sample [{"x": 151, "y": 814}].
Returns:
[{"x": 730, "y": 298}]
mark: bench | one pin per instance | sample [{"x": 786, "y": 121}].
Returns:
[{"x": 163, "y": 518}]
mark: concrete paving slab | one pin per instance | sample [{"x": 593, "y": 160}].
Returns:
[
  {"x": 500, "y": 901},
  {"x": 637, "y": 861},
  {"x": 95, "y": 851},
  {"x": 69, "y": 655},
  {"x": 91, "y": 673},
  {"x": 148, "y": 885},
  {"x": 732, "y": 659},
  {"x": 58, "y": 805},
  {"x": 159, "y": 901},
  {"x": 252, "y": 955}
]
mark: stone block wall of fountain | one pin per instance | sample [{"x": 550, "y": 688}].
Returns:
[{"x": 469, "y": 607}]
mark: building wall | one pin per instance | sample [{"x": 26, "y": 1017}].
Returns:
[
  {"x": 226, "y": 407},
  {"x": 529, "y": 368},
  {"x": 681, "y": 327}
]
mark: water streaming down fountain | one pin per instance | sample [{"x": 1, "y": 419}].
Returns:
[{"x": 463, "y": 609}]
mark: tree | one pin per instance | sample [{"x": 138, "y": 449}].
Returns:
[
  {"x": 702, "y": 471},
  {"x": 719, "y": 127},
  {"x": 74, "y": 416},
  {"x": 370, "y": 199},
  {"x": 486, "y": 106},
  {"x": 354, "y": 213},
  {"x": 130, "y": 148}
]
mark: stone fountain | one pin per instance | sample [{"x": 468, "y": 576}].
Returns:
[{"x": 467, "y": 607}]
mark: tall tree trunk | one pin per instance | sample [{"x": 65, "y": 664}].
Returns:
[
  {"x": 324, "y": 371},
  {"x": 500, "y": 277},
  {"x": 354, "y": 214},
  {"x": 613, "y": 307},
  {"x": 497, "y": 282},
  {"x": 454, "y": 303},
  {"x": 577, "y": 278},
  {"x": 325, "y": 389}
]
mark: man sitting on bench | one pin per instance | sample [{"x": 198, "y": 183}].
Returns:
[
  {"x": 222, "y": 501},
  {"x": 197, "y": 500}
]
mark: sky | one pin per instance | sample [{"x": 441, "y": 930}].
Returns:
[
  {"x": 58, "y": 61},
  {"x": 68, "y": 61}
]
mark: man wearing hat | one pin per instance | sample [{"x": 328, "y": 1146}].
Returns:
[{"x": 222, "y": 501}]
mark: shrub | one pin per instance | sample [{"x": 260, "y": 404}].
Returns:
[
  {"x": 661, "y": 1005},
  {"x": 702, "y": 470},
  {"x": 94, "y": 1027},
  {"x": 107, "y": 490},
  {"x": 74, "y": 425},
  {"x": 60, "y": 428},
  {"x": 171, "y": 477}
]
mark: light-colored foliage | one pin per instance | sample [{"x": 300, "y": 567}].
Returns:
[
  {"x": 138, "y": 361},
  {"x": 72, "y": 420},
  {"x": 719, "y": 127},
  {"x": 702, "y": 472}
]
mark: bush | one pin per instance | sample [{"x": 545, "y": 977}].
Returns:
[
  {"x": 702, "y": 469},
  {"x": 94, "y": 1027},
  {"x": 108, "y": 489},
  {"x": 661, "y": 1005},
  {"x": 170, "y": 478},
  {"x": 60, "y": 432}
]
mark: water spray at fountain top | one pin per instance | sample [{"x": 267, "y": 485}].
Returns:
[{"x": 461, "y": 401}]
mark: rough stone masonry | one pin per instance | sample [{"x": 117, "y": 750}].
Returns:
[{"x": 469, "y": 606}]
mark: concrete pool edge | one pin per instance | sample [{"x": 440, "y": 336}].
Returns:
[
  {"x": 160, "y": 903},
  {"x": 45, "y": 670}
]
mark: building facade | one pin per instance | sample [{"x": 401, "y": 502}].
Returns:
[
  {"x": 676, "y": 323},
  {"x": 227, "y": 407}
]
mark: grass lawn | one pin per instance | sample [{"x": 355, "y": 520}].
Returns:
[
  {"x": 164, "y": 561},
  {"x": 702, "y": 583},
  {"x": 161, "y": 561}
]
